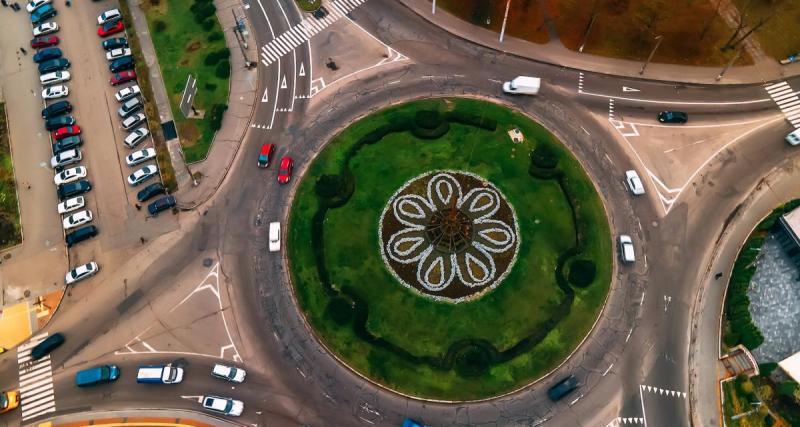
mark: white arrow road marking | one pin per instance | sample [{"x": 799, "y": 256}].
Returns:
[
  {"x": 629, "y": 89},
  {"x": 283, "y": 83},
  {"x": 265, "y": 96},
  {"x": 302, "y": 72}
]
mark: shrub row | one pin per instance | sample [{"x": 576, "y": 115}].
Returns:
[{"x": 741, "y": 329}]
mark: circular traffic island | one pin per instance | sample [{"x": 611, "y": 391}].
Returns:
[{"x": 449, "y": 249}]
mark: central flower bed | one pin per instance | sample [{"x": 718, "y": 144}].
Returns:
[{"x": 450, "y": 235}]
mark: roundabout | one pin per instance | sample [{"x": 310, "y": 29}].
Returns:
[{"x": 436, "y": 256}]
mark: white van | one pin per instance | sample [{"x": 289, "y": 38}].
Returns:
[
  {"x": 274, "y": 236},
  {"x": 523, "y": 85},
  {"x": 793, "y": 138}
]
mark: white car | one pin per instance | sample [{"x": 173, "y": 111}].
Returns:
[
  {"x": 77, "y": 219},
  {"x": 141, "y": 175},
  {"x": 634, "y": 183},
  {"x": 55, "y": 92},
  {"x": 108, "y": 16},
  {"x": 46, "y": 28},
  {"x": 626, "y": 249},
  {"x": 132, "y": 121},
  {"x": 118, "y": 53},
  {"x": 274, "y": 236},
  {"x": 140, "y": 156},
  {"x": 81, "y": 272},
  {"x": 54, "y": 77},
  {"x": 70, "y": 175},
  {"x": 793, "y": 138},
  {"x": 223, "y": 405},
  {"x": 229, "y": 373},
  {"x": 136, "y": 137},
  {"x": 66, "y": 158},
  {"x": 70, "y": 205},
  {"x": 35, "y": 4},
  {"x": 127, "y": 93}
]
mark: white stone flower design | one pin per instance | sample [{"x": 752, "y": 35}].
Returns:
[{"x": 450, "y": 235}]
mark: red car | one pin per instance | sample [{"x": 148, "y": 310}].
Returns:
[
  {"x": 111, "y": 28},
  {"x": 285, "y": 170},
  {"x": 122, "y": 77},
  {"x": 265, "y": 155},
  {"x": 44, "y": 41},
  {"x": 66, "y": 131}
]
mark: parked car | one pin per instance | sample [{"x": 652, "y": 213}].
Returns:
[
  {"x": 127, "y": 93},
  {"x": 35, "y": 4},
  {"x": 408, "y": 422},
  {"x": 562, "y": 388},
  {"x": 54, "y": 65},
  {"x": 136, "y": 137},
  {"x": 74, "y": 189},
  {"x": 70, "y": 175},
  {"x": 70, "y": 205},
  {"x": 116, "y": 43},
  {"x": 110, "y": 28},
  {"x": 56, "y": 109},
  {"x": 159, "y": 374},
  {"x": 265, "y": 155},
  {"x": 140, "y": 156},
  {"x": 673, "y": 117},
  {"x": 58, "y": 122},
  {"x": 285, "y": 170},
  {"x": 44, "y": 41},
  {"x": 96, "y": 375},
  {"x": 626, "y": 253},
  {"x": 228, "y": 373},
  {"x": 793, "y": 138},
  {"x": 55, "y": 92},
  {"x": 121, "y": 64},
  {"x": 162, "y": 204},
  {"x": 66, "y": 158},
  {"x": 109, "y": 16},
  {"x": 141, "y": 175},
  {"x": 66, "y": 131},
  {"x": 9, "y": 400},
  {"x": 45, "y": 28},
  {"x": 47, "y": 54},
  {"x": 81, "y": 272},
  {"x": 43, "y": 13},
  {"x": 133, "y": 120},
  {"x": 634, "y": 183},
  {"x": 150, "y": 191},
  {"x": 129, "y": 107},
  {"x": 223, "y": 405},
  {"x": 79, "y": 235},
  {"x": 77, "y": 219},
  {"x": 118, "y": 53},
  {"x": 123, "y": 77},
  {"x": 47, "y": 345},
  {"x": 67, "y": 143},
  {"x": 54, "y": 77}
]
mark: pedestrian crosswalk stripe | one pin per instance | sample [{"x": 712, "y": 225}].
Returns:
[
  {"x": 306, "y": 29},
  {"x": 777, "y": 85},
  {"x": 791, "y": 96},
  {"x": 35, "y": 381},
  {"x": 786, "y": 99}
]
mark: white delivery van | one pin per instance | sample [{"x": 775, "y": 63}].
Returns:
[
  {"x": 274, "y": 236},
  {"x": 793, "y": 138},
  {"x": 159, "y": 374},
  {"x": 523, "y": 85}
]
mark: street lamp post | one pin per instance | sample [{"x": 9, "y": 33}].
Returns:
[
  {"x": 433, "y": 8},
  {"x": 729, "y": 64},
  {"x": 505, "y": 18},
  {"x": 652, "y": 52}
]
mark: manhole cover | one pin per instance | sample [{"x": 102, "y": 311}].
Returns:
[{"x": 207, "y": 262}]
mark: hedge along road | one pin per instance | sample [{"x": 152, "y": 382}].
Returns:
[{"x": 472, "y": 350}]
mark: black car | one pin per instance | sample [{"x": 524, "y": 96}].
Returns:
[
  {"x": 115, "y": 43},
  {"x": 67, "y": 143},
  {"x": 59, "y": 122},
  {"x": 563, "y": 388},
  {"x": 121, "y": 64},
  {"x": 45, "y": 347},
  {"x": 150, "y": 191},
  {"x": 65, "y": 191},
  {"x": 53, "y": 65},
  {"x": 56, "y": 109},
  {"x": 80, "y": 235},
  {"x": 161, "y": 205},
  {"x": 673, "y": 117},
  {"x": 47, "y": 54}
]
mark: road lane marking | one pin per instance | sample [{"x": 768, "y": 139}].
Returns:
[{"x": 681, "y": 102}]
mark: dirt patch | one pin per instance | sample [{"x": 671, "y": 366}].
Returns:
[
  {"x": 188, "y": 133},
  {"x": 193, "y": 46}
]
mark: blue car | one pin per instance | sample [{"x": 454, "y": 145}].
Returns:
[
  {"x": 408, "y": 422},
  {"x": 43, "y": 13},
  {"x": 47, "y": 54},
  {"x": 97, "y": 375}
]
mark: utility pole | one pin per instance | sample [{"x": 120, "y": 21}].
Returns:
[
  {"x": 652, "y": 52},
  {"x": 505, "y": 18},
  {"x": 433, "y": 8},
  {"x": 729, "y": 64}
]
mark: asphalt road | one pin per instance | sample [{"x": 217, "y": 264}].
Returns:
[{"x": 633, "y": 365}]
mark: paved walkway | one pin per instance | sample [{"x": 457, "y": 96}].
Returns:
[
  {"x": 555, "y": 53},
  {"x": 140, "y": 417}
]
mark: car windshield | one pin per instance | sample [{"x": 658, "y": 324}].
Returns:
[
  {"x": 3, "y": 401},
  {"x": 173, "y": 373}
]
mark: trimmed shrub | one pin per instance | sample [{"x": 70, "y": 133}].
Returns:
[
  {"x": 215, "y": 36},
  {"x": 159, "y": 26},
  {"x": 210, "y": 86},
  {"x": 340, "y": 310},
  {"x": 208, "y": 24},
  {"x": 217, "y": 112},
  {"x": 767, "y": 368},
  {"x": 216, "y": 56},
  {"x": 328, "y": 186},
  {"x": 223, "y": 69},
  {"x": 581, "y": 273},
  {"x": 544, "y": 157}
]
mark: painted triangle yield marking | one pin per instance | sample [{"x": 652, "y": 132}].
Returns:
[
  {"x": 302, "y": 72},
  {"x": 629, "y": 89},
  {"x": 283, "y": 83},
  {"x": 265, "y": 97}
]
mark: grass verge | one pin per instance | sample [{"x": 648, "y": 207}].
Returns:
[
  {"x": 10, "y": 230},
  {"x": 309, "y": 5},
  {"x": 189, "y": 40},
  {"x": 150, "y": 110}
]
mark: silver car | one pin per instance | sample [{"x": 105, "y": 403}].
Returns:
[{"x": 142, "y": 175}]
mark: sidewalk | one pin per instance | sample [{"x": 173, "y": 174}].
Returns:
[
  {"x": 555, "y": 53},
  {"x": 241, "y": 100},
  {"x": 139, "y": 417}
]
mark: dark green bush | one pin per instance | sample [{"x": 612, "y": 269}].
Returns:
[
  {"x": 210, "y": 86},
  {"x": 202, "y": 10},
  {"x": 428, "y": 119},
  {"x": 582, "y": 273},
  {"x": 328, "y": 186},
  {"x": 544, "y": 157},
  {"x": 340, "y": 310},
  {"x": 765, "y": 369},
  {"x": 216, "y": 56},
  {"x": 208, "y": 24},
  {"x": 473, "y": 361},
  {"x": 215, "y": 36},
  {"x": 223, "y": 69},
  {"x": 215, "y": 117},
  {"x": 159, "y": 26}
]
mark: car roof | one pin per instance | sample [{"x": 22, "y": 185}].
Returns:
[
  {"x": 285, "y": 161},
  {"x": 266, "y": 148}
]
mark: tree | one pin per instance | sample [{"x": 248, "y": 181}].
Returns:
[{"x": 710, "y": 20}]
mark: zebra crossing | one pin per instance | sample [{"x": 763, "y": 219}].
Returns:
[
  {"x": 35, "y": 381},
  {"x": 787, "y": 101},
  {"x": 306, "y": 29}
]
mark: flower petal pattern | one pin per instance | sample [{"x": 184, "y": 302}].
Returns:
[
  {"x": 481, "y": 203},
  {"x": 494, "y": 236},
  {"x": 442, "y": 188},
  {"x": 412, "y": 210},
  {"x": 407, "y": 246}
]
